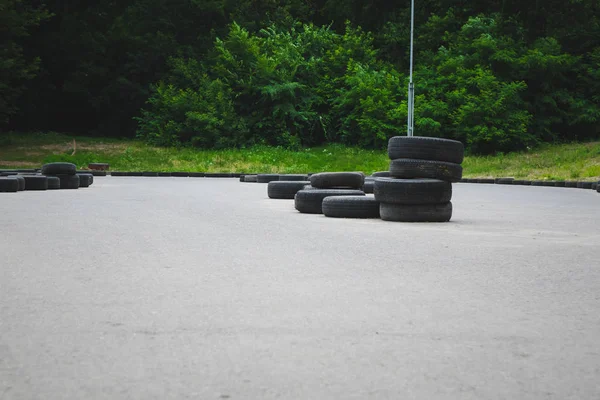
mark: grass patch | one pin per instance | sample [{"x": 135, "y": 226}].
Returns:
[{"x": 579, "y": 161}]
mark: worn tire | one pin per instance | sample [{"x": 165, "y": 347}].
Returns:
[
  {"x": 21, "y": 180},
  {"x": 85, "y": 180},
  {"x": 407, "y": 168},
  {"x": 368, "y": 185},
  {"x": 504, "y": 181},
  {"x": 266, "y": 178},
  {"x": 412, "y": 191},
  {"x": 584, "y": 185},
  {"x": 284, "y": 189},
  {"x": 57, "y": 168},
  {"x": 151, "y": 174},
  {"x": 333, "y": 180},
  {"x": 164, "y": 174},
  {"x": 594, "y": 185},
  {"x": 426, "y": 148},
  {"x": 9, "y": 184},
  {"x": 251, "y": 178},
  {"x": 53, "y": 182},
  {"x": 350, "y": 207},
  {"x": 381, "y": 174},
  {"x": 571, "y": 184},
  {"x": 293, "y": 177},
  {"x": 180, "y": 174},
  {"x": 118, "y": 173},
  {"x": 68, "y": 181},
  {"x": 416, "y": 212},
  {"x": 35, "y": 182},
  {"x": 311, "y": 201},
  {"x": 484, "y": 180}
]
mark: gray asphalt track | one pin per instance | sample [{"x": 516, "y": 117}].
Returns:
[{"x": 199, "y": 288}]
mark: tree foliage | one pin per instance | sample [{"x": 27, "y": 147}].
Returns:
[{"x": 499, "y": 76}]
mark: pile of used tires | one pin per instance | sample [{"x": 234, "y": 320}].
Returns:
[
  {"x": 52, "y": 176},
  {"x": 417, "y": 188}
]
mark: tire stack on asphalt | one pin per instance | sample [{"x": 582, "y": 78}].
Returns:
[
  {"x": 287, "y": 186},
  {"x": 310, "y": 200},
  {"x": 419, "y": 188},
  {"x": 370, "y": 180},
  {"x": 67, "y": 175}
]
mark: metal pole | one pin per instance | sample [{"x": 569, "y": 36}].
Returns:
[{"x": 411, "y": 86}]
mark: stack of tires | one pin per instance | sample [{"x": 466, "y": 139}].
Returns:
[
  {"x": 419, "y": 188},
  {"x": 325, "y": 185},
  {"x": 287, "y": 186},
  {"x": 66, "y": 174}
]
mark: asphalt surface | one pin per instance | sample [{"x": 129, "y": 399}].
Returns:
[{"x": 200, "y": 288}]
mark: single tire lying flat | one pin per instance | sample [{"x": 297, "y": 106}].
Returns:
[
  {"x": 69, "y": 181},
  {"x": 584, "y": 185},
  {"x": 406, "y": 168},
  {"x": 426, "y": 148},
  {"x": 180, "y": 174},
  {"x": 484, "y": 180},
  {"x": 59, "y": 168},
  {"x": 196, "y": 174},
  {"x": 36, "y": 182},
  {"x": 118, "y": 173},
  {"x": 594, "y": 185},
  {"x": 571, "y": 184},
  {"x": 311, "y": 201},
  {"x": 416, "y": 212},
  {"x": 85, "y": 180},
  {"x": 9, "y": 184},
  {"x": 381, "y": 174},
  {"x": 135, "y": 173},
  {"x": 293, "y": 177},
  {"x": 504, "y": 181},
  {"x": 150, "y": 173},
  {"x": 368, "y": 185},
  {"x": 251, "y": 178},
  {"x": 266, "y": 178},
  {"x": 350, "y": 207},
  {"x": 21, "y": 180},
  {"x": 412, "y": 191},
  {"x": 284, "y": 189},
  {"x": 53, "y": 182},
  {"x": 331, "y": 180}
]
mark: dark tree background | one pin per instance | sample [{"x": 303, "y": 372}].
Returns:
[{"x": 499, "y": 75}]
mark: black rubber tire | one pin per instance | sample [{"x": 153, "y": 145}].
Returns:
[
  {"x": 485, "y": 180},
  {"x": 559, "y": 183},
  {"x": 165, "y": 174},
  {"x": 598, "y": 187},
  {"x": 594, "y": 185},
  {"x": 196, "y": 174},
  {"x": 266, "y": 178},
  {"x": 416, "y": 212},
  {"x": 335, "y": 180},
  {"x": 504, "y": 181},
  {"x": 571, "y": 184},
  {"x": 284, "y": 189},
  {"x": 350, "y": 207},
  {"x": 242, "y": 178},
  {"x": 21, "y": 181},
  {"x": 426, "y": 148},
  {"x": 310, "y": 201},
  {"x": 9, "y": 184},
  {"x": 584, "y": 185},
  {"x": 53, "y": 182},
  {"x": 97, "y": 173},
  {"x": 412, "y": 191},
  {"x": 519, "y": 182},
  {"x": 549, "y": 184},
  {"x": 219, "y": 175},
  {"x": 35, "y": 182},
  {"x": 9, "y": 173},
  {"x": 180, "y": 174},
  {"x": 150, "y": 174},
  {"x": 251, "y": 178},
  {"x": 85, "y": 180},
  {"x": 381, "y": 174},
  {"x": 135, "y": 173},
  {"x": 368, "y": 185},
  {"x": 118, "y": 173},
  {"x": 293, "y": 177},
  {"x": 537, "y": 183},
  {"x": 406, "y": 168},
  {"x": 69, "y": 181},
  {"x": 59, "y": 168}
]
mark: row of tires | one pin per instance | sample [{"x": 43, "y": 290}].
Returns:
[{"x": 51, "y": 176}]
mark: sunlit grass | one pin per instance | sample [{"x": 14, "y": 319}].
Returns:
[{"x": 580, "y": 161}]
